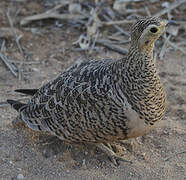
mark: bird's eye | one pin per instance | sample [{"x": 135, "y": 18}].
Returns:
[{"x": 154, "y": 30}]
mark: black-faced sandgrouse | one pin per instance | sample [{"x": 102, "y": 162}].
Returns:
[{"x": 102, "y": 101}]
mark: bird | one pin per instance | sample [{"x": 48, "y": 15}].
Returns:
[{"x": 102, "y": 101}]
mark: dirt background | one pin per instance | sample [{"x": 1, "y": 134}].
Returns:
[{"x": 158, "y": 155}]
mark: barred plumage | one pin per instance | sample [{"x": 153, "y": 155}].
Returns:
[{"x": 102, "y": 101}]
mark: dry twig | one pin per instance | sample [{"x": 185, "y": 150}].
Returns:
[
  {"x": 117, "y": 22},
  {"x": 52, "y": 13},
  {"x": 3, "y": 104},
  {"x": 94, "y": 42},
  {"x": 112, "y": 47},
  {"x": 116, "y": 26},
  {"x": 171, "y": 7},
  {"x": 17, "y": 38},
  {"x": 10, "y": 66},
  {"x": 164, "y": 47},
  {"x": 3, "y": 46},
  {"x": 175, "y": 46}
]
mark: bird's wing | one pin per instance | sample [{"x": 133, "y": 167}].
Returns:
[{"x": 67, "y": 97}]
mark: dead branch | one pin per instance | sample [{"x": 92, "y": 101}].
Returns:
[
  {"x": 17, "y": 38},
  {"x": 94, "y": 13},
  {"x": 94, "y": 42},
  {"x": 164, "y": 47},
  {"x": 117, "y": 22},
  {"x": 116, "y": 26},
  {"x": 52, "y": 13},
  {"x": 3, "y": 46},
  {"x": 112, "y": 47},
  {"x": 171, "y": 7},
  {"x": 3, "y": 104},
  {"x": 175, "y": 46},
  {"x": 26, "y": 63},
  {"x": 10, "y": 66}
]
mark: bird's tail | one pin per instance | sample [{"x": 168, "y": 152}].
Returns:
[
  {"x": 30, "y": 92},
  {"x": 24, "y": 109},
  {"x": 18, "y": 106}
]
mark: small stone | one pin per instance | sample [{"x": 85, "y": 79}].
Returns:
[
  {"x": 35, "y": 69},
  {"x": 58, "y": 24},
  {"x": 37, "y": 58},
  {"x": 20, "y": 177},
  {"x": 165, "y": 4},
  {"x": 84, "y": 162},
  {"x": 35, "y": 31},
  {"x": 119, "y": 6},
  {"x": 74, "y": 8}
]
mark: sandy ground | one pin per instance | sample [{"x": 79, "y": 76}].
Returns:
[{"x": 158, "y": 155}]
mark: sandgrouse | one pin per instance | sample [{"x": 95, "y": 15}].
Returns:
[{"x": 102, "y": 101}]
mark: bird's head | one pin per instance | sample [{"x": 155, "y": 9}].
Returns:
[{"x": 146, "y": 31}]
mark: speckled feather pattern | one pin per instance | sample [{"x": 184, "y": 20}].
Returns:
[
  {"x": 82, "y": 104},
  {"x": 95, "y": 101}
]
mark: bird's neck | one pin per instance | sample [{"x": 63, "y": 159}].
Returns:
[
  {"x": 140, "y": 69},
  {"x": 139, "y": 60},
  {"x": 136, "y": 66},
  {"x": 140, "y": 81}
]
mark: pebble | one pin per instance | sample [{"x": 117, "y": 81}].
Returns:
[
  {"x": 20, "y": 176},
  {"x": 165, "y": 4},
  {"x": 84, "y": 162},
  {"x": 74, "y": 8},
  {"x": 35, "y": 69},
  {"x": 10, "y": 162}
]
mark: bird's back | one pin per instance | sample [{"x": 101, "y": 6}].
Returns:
[{"x": 81, "y": 104}]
